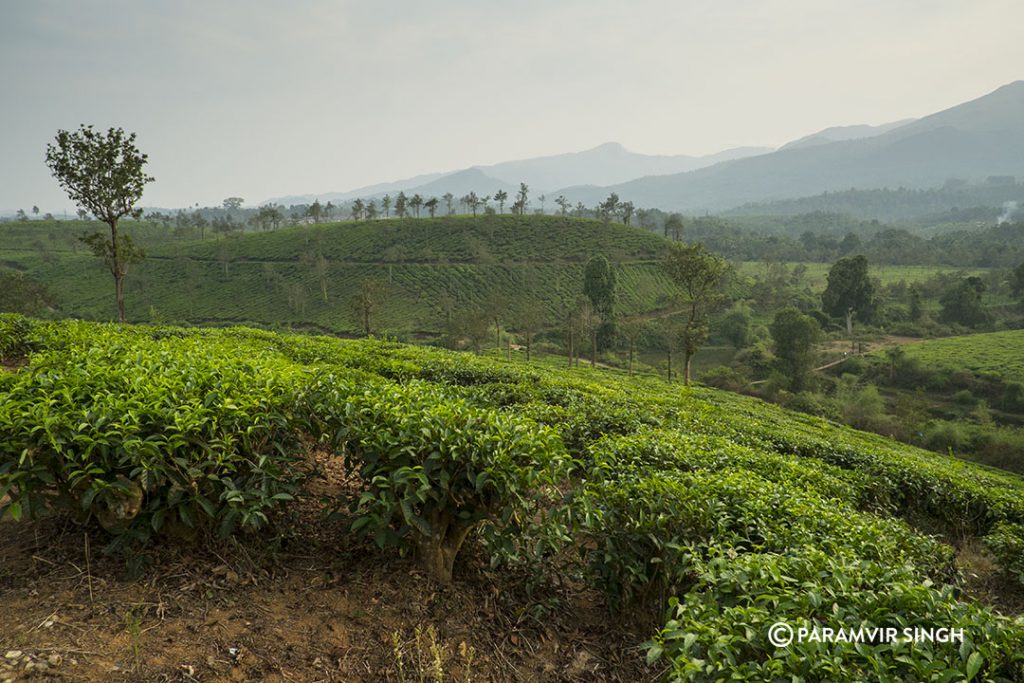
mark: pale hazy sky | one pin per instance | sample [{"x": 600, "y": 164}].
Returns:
[{"x": 261, "y": 99}]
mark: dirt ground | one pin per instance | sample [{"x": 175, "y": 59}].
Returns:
[{"x": 325, "y": 607}]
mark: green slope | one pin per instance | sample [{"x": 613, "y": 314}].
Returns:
[
  {"x": 742, "y": 513},
  {"x": 307, "y": 276},
  {"x": 999, "y": 354}
]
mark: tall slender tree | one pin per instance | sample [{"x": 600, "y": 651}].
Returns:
[
  {"x": 105, "y": 174},
  {"x": 563, "y": 204},
  {"x": 626, "y": 211},
  {"x": 315, "y": 211},
  {"x": 431, "y": 205},
  {"x": 599, "y": 288},
  {"x": 358, "y": 209},
  {"x": 501, "y": 196},
  {"x": 698, "y": 273},
  {"x": 522, "y": 199}
]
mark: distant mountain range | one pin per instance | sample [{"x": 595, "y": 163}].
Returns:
[
  {"x": 971, "y": 141},
  {"x": 605, "y": 164}
]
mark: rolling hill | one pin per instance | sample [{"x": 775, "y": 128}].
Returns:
[{"x": 425, "y": 270}]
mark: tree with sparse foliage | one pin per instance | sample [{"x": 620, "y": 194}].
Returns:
[
  {"x": 472, "y": 324},
  {"x": 633, "y": 332},
  {"x": 522, "y": 200},
  {"x": 529, "y": 319},
  {"x": 626, "y": 212},
  {"x": 385, "y": 205},
  {"x": 400, "y": 205},
  {"x": 103, "y": 173},
  {"x": 315, "y": 211},
  {"x": 472, "y": 202},
  {"x": 448, "y": 198},
  {"x": 609, "y": 207},
  {"x": 794, "y": 335},
  {"x": 416, "y": 203},
  {"x": 501, "y": 196},
  {"x": 563, "y": 204},
  {"x": 431, "y": 205},
  {"x": 674, "y": 227},
  {"x": 366, "y": 302},
  {"x": 698, "y": 273},
  {"x": 358, "y": 209},
  {"x": 269, "y": 217},
  {"x": 850, "y": 293}
]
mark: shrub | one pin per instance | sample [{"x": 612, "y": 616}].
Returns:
[
  {"x": 1006, "y": 541},
  {"x": 139, "y": 436},
  {"x": 15, "y": 335},
  {"x": 436, "y": 468},
  {"x": 965, "y": 398}
]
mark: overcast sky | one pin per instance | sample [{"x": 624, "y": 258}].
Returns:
[{"x": 260, "y": 99}]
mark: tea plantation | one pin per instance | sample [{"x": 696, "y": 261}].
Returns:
[
  {"x": 711, "y": 514},
  {"x": 426, "y": 271},
  {"x": 995, "y": 354}
]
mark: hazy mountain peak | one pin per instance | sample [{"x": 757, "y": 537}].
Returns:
[
  {"x": 973, "y": 141},
  {"x": 840, "y": 133},
  {"x": 608, "y": 147}
]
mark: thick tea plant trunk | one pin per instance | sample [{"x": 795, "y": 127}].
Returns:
[{"x": 437, "y": 552}]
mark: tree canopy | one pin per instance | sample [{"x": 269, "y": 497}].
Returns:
[
  {"x": 850, "y": 292},
  {"x": 103, "y": 173},
  {"x": 794, "y": 335}
]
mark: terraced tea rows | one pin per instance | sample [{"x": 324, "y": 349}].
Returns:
[{"x": 724, "y": 514}]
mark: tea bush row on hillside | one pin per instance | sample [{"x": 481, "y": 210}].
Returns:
[{"x": 731, "y": 512}]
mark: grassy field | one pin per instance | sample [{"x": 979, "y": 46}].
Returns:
[
  {"x": 817, "y": 273},
  {"x": 994, "y": 353},
  {"x": 698, "y": 518},
  {"x": 427, "y": 270}
]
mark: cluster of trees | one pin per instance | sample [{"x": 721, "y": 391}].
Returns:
[{"x": 20, "y": 215}]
